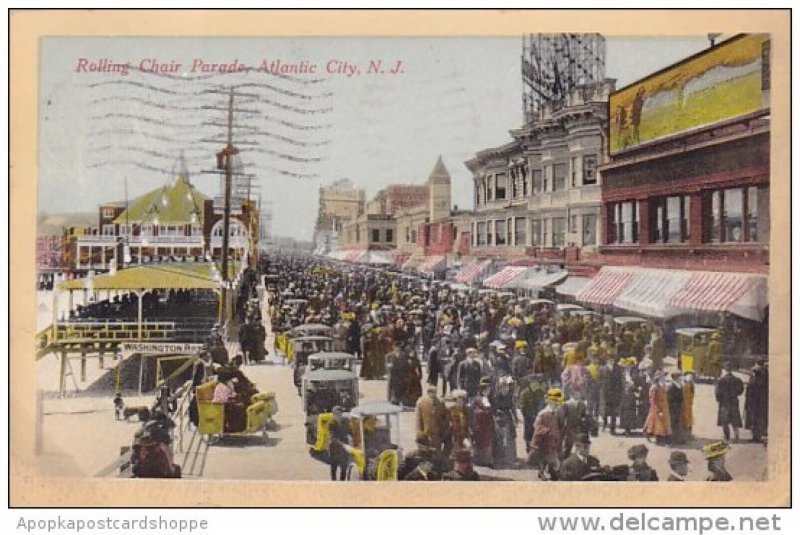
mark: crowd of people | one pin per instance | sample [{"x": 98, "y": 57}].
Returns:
[{"x": 497, "y": 357}]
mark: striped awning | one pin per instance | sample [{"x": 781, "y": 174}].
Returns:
[
  {"x": 504, "y": 276},
  {"x": 400, "y": 259},
  {"x": 473, "y": 271},
  {"x": 572, "y": 286},
  {"x": 354, "y": 256},
  {"x": 743, "y": 294},
  {"x": 432, "y": 264},
  {"x": 651, "y": 290},
  {"x": 413, "y": 261},
  {"x": 606, "y": 286}
]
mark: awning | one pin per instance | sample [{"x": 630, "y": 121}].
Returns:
[
  {"x": 572, "y": 286},
  {"x": 158, "y": 276},
  {"x": 651, "y": 290},
  {"x": 354, "y": 256},
  {"x": 400, "y": 259},
  {"x": 413, "y": 261},
  {"x": 504, "y": 276},
  {"x": 432, "y": 264},
  {"x": 606, "y": 286},
  {"x": 473, "y": 271},
  {"x": 743, "y": 294},
  {"x": 536, "y": 279},
  {"x": 379, "y": 258}
]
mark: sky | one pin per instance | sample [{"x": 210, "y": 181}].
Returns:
[{"x": 100, "y": 129}]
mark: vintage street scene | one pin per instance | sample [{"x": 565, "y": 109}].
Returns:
[{"x": 541, "y": 258}]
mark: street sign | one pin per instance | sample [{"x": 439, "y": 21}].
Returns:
[{"x": 160, "y": 347}]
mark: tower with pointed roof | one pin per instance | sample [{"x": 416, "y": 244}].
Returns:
[{"x": 439, "y": 192}]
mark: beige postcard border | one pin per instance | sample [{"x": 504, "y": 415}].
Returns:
[{"x": 26, "y": 27}]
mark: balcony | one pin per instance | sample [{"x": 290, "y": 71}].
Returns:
[{"x": 141, "y": 241}]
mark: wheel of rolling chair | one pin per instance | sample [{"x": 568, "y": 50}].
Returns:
[{"x": 352, "y": 473}]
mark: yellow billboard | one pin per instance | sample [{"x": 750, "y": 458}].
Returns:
[{"x": 724, "y": 82}]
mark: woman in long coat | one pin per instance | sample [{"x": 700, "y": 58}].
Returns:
[
  {"x": 483, "y": 430},
  {"x": 687, "y": 419},
  {"x": 658, "y": 423},
  {"x": 629, "y": 399}
]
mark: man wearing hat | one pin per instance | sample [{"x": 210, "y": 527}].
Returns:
[
  {"x": 463, "y": 469},
  {"x": 547, "y": 435},
  {"x": 579, "y": 464},
  {"x": 756, "y": 402},
  {"x": 521, "y": 363},
  {"x": 714, "y": 355},
  {"x": 727, "y": 392},
  {"x": 483, "y": 429},
  {"x": 431, "y": 418},
  {"x": 459, "y": 420},
  {"x": 678, "y": 466},
  {"x": 640, "y": 470},
  {"x": 715, "y": 455},
  {"x": 531, "y": 401},
  {"x": 469, "y": 373}
]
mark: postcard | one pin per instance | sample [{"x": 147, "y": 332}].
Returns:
[{"x": 270, "y": 261}]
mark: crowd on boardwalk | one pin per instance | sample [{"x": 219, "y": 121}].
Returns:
[{"x": 503, "y": 363}]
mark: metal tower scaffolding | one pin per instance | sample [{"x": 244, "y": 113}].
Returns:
[{"x": 554, "y": 64}]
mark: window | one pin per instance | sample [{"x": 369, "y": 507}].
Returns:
[
  {"x": 500, "y": 232},
  {"x": 413, "y": 236},
  {"x": 125, "y": 230},
  {"x": 389, "y": 235},
  {"x": 482, "y": 233},
  {"x": 589, "y": 229},
  {"x": 513, "y": 185},
  {"x": 738, "y": 215},
  {"x": 490, "y": 188},
  {"x": 520, "y": 226},
  {"x": 575, "y": 171},
  {"x": 108, "y": 230},
  {"x": 197, "y": 230},
  {"x": 477, "y": 194},
  {"x": 509, "y": 232},
  {"x": 590, "y": 170},
  {"x": 146, "y": 230},
  {"x": 526, "y": 181},
  {"x": 501, "y": 181},
  {"x": 548, "y": 178},
  {"x": 536, "y": 233},
  {"x": 376, "y": 235},
  {"x": 538, "y": 183},
  {"x": 623, "y": 222},
  {"x": 108, "y": 213},
  {"x": 559, "y": 231},
  {"x": 573, "y": 223},
  {"x": 559, "y": 177},
  {"x": 670, "y": 222}
]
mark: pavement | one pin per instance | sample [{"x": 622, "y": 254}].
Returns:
[{"x": 72, "y": 447}]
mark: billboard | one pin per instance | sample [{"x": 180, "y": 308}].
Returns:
[{"x": 724, "y": 82}]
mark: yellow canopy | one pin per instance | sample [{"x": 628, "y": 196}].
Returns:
[{"x": 162, "y": 276}]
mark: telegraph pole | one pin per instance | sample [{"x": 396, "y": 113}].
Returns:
[{"x": 225, "y": 161}]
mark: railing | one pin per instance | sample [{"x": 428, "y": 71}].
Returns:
[{"x": 144, "y": 241}]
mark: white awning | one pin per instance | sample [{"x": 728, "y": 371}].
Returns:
[
  {"x": 572, "y": 286},
  {"x": 536, "y": 279},
  {"x": 432, "y": 264}
]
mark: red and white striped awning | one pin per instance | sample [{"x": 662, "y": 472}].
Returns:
[
  {"x": 606, "y": 286},
  {"x": 473, "y": 271},
  {"x": 743, "y": 294},
  {"x": 413, "y": 261},
  {"x": 354, "y": 256},
  {"x": 650, "y": 291},
  {"x": 432, "y": 264},
  {"x": 504, "y": 276}
]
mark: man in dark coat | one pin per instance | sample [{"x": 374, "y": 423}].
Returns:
[
  {"x": 579, "y": 464},
  {"x": 727, "y": 391},
  {"x": 469, "y": 373},
  {"x": 756, "y": 402},
  {"x": 678, "y": 466},
  {"x": 610, "y": 385},
  {"x": 675, "y": 401},
  {"x": 640, "y": 470}
]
